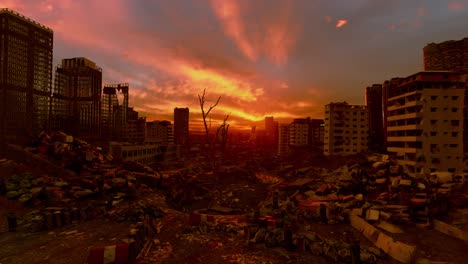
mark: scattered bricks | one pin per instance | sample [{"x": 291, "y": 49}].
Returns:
[
  {"x": 275, "y": 200},
  {"x": 247, "y": 232},
  {"x": 67, "y": 219},
  {"x": 58, "y": 218},
  {"x": 272, "y": 224},
  {"x": 83, "y": 214},
  {"x": 12, "y": 222},
  {"x": 49, "y": 218},
  {"x": 75, "y": 214},
  {"x": 301, "y": 244}
]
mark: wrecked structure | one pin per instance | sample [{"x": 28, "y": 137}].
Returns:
[
  {"x": 26, "y": 80},
  {"x": 76, "y": 98}
]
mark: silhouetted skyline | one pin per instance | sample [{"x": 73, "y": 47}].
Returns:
[{"x": 282, "y": 58}]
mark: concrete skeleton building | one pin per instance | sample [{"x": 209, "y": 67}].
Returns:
[
  {"x": 26, "y": 76},
  {"x": 76, "y": 98},
  {"x": 425, "y": 122},
  {"x": 346, "y": 129}
]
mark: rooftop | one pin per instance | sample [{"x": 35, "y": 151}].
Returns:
[{"x": 18, "y": 15}]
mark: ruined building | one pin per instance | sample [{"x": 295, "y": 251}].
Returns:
[
  {"x": 376, "y": 130},
  {"x": 425, "y": 122},
  {"x": 450, "y": 55},
  {"x": 76, "y": 98},
  {"x": 181, "y": 125},
  {"x": 25, "y": 76},
  {"x": 447, "y": 56},
  {"x": 346, "y": 129},
  {"x": 114, "y": 110}
]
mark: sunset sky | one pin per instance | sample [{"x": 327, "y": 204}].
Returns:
[{"x": 263, "y": 57}]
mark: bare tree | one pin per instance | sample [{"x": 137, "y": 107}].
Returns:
[
  {"x": 209, "y": 140},
  {"x": 222, "y": 133}
]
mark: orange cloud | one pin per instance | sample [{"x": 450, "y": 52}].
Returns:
[
  {"x": 341, "y": 23},
  {"x": 228, "y": 12},
  {"x": 274, "y": 35}
]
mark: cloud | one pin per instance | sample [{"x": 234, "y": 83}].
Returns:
[
  {"x": 272, "y": 34},
  {"x": 262, "y": 57},
  {"x": 456, "y": 6},
  {"x": 421, "y": 11},
  {"x": 341, "y": 23}
]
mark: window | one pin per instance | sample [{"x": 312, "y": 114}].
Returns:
[
  {"x": 445, "y": 96},
  {"x": 433, "y": 122},
  {"x": 454, "y": 110},
  {"x": 454, "y": 134},
  {"x": 433, "y": 109},
  {"x": 453, "y": 145},
  {"x": 454, "y": 97},
  {"x": 455, "y": 122},
  {"x": 433, "y": 97},
  {"x": 452, "y": 170},
  {"x": 433, "y": 134}
]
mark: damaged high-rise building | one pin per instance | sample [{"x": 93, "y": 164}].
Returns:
[
  {"x": 114, "y": 110},
  {"x": 25, "y": 76},
  {"x": 76, "y": 98}
]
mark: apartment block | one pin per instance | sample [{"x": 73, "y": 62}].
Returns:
[
  {"x": 425, "y": 122},
  {"x": 26, "y": 76},
  {"x": 346, "y": 129},
  {"x": 386, "y": 87}
]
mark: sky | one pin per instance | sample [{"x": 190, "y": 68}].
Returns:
[{"x": 281, "y": 58}]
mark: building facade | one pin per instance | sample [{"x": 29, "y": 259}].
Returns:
[
  {"x": 76, "y": 98},
  {"x": 283, "y": 139},
  {"x": 271, "y": 131},
  {"x": 425, "y": 122},
  {"x": 386, "y": 87},
  {"x": 374, "y": 98},
  {"x": 143, "y": 153},
  {"x": 449, "y": 55},
  {"x": 181, "y": 125},
  {"x": 114, "y": 110},
  {"x": 159, "y": 132},
  {"x": 346, "y": 129},
  {"x": 25, "y": 76}
]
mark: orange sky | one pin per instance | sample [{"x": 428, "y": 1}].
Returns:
[{"x": 266, "y": 57}]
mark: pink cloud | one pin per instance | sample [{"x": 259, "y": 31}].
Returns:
[
  {"x": 422, "y": 11},
  {"x": 341, "y": 23},
  {"x": 328, "y": 19},
  {"x": 456, "y": 6}
]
